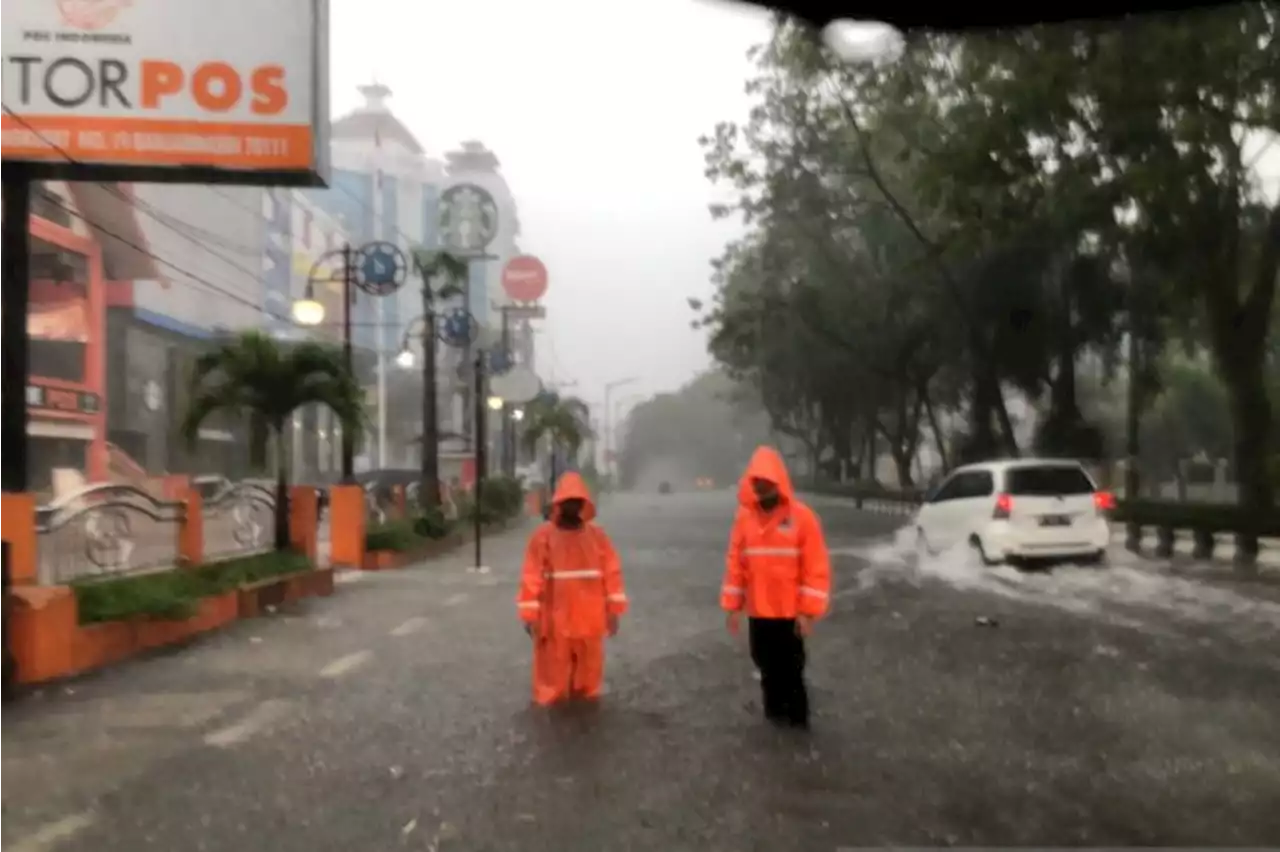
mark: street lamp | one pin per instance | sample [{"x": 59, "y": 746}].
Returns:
[
  {"x": 378, "y": 268},
  {"x": 405, "y": 359},
  {"x": 517, "y": 414},
  {"x": 495, "y": 403},
  {"x": 308, "y": 310},
  {"x": 608, "y": 392}
]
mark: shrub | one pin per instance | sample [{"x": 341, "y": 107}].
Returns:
[
  {"x": 399, "y": 536},
  {"x": 176, "y": 594},
  {"x": 504, "y": 496},
  {"x": 432, "y": 524},
  {"x": 168, "y": 595}
]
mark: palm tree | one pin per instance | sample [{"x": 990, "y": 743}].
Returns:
[
  {"x": 449, "y": 270},
  {"x": 565, "y": 422},
  {"x": 254, "y": 375}
]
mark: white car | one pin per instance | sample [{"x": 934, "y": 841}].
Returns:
[{"x": 1010, "y": 511}]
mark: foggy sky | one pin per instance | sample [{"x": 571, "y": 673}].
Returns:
[{"x": 595, "y": 118}]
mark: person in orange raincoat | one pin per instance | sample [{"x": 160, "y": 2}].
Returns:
[
  {"x": 571, "y": 596},
  {"x": 778, "y": 571}
]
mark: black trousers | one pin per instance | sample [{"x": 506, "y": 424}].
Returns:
[{"x": 778, "y": 652}]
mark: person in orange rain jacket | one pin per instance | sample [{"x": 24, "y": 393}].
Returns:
[
  {"x": 571, "y": 596},
  {"x": 778, "y": 571}
]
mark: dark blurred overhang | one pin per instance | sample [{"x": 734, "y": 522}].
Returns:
[{"x": 915, "y": 14}]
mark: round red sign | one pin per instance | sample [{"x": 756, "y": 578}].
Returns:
[{"x": 524, "y": 278}]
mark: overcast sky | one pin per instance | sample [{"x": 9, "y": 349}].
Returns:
[{"x": 595, "y": 116}]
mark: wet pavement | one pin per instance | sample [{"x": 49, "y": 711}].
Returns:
[{"x": 955, "y": 706}]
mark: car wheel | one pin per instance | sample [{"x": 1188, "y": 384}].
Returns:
[
  {"x": 1097, "y": 558},
  {"x": 975, "y": 544}
]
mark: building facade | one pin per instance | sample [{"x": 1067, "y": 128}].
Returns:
[{"x": 130, "y": 283}]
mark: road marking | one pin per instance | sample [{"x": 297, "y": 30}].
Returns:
[
  {"x": 454, "y": 600},
  {"x": 50, "y": 835},
  {"x": 412, "y": 625},
  {"x": 259, "y": 718},
  {"x": 350, "y": 662},
  {"x": 349, "y": 576}
]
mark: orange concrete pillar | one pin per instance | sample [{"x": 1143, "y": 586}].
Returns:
[
  {"x": 191, "y": 530},
  {"x": 43, "y": 632},
  {"x": 18, "y": 519},
  {"x": 346, "y": 526},
  {"x": 304, "y": 518}
]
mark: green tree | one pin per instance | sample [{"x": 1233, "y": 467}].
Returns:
[
  {"x": 1139, "y": 134},
  {"x": 564, "y": 422},
  {"x": 442, "y": 275},
  {"x": 703, "y": 427},
  {"x": 253, "y": 375}
]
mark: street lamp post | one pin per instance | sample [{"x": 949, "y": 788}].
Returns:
[
  {"x": 608, "y": 392},
  {"x": 377, "y": 268}
]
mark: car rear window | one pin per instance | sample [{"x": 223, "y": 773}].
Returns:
[{"x": 1047, "y": 481}]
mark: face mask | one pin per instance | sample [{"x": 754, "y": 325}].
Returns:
[{"x": 771, "y": 502}]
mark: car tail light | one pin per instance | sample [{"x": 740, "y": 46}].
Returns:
[
  {"x": 1104, "y": 501},
  {"x": 1004, "y": 507}
]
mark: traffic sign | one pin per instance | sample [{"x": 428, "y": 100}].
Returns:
[
  {"x": 524, "y": 278},
  {"x": 468, "y": 218}
]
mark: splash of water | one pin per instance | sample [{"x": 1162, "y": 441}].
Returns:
[{"x": 1125, "y": 583}]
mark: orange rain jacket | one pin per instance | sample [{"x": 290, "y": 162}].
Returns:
[
  {"x": 777, "y": 565},
  {"x": 572, "y": 579}
]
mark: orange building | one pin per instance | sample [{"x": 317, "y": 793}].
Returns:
[{"x": 66, "y": 373}]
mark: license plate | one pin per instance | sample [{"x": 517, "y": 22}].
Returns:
[{"x": 1055, "y": 521}]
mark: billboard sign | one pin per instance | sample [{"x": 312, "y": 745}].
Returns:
[
  {"x": 524, "y": 278},
  {"x": 136, "y": 89}
]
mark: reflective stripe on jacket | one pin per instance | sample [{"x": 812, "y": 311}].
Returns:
[
  {"x": 777, "y": 564},
  {"x": 571, "y": 579}
]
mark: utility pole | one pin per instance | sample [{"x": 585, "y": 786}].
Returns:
[
  {"x": 16, "y": 244},
  {"x": 506, "y": 433},
  {"x": 608, "y": 392},
  {"x": 1133, "y": 406},
  {"x": 348, "y": 357},
  {"x": 429, "y": 497},
  {"x": 480, "y": 445}
]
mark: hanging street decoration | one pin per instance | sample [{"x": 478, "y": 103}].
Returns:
[
  {"x": 499, "y": 361},
  {"x": 457, "y": 327},
  {"x": 380, "y": 268}
]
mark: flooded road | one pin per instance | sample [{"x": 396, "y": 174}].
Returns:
[{"x": 954, "y": 705}]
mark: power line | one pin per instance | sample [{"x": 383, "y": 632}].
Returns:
[{"x": 118, "y": 194}]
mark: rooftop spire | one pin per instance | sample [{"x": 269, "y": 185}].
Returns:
[{"x": 375, "y": 96}]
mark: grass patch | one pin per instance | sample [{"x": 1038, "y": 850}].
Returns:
[{"x": 176, "y": 594}]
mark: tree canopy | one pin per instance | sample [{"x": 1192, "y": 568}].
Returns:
[{"x": 936, "y": 237}]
